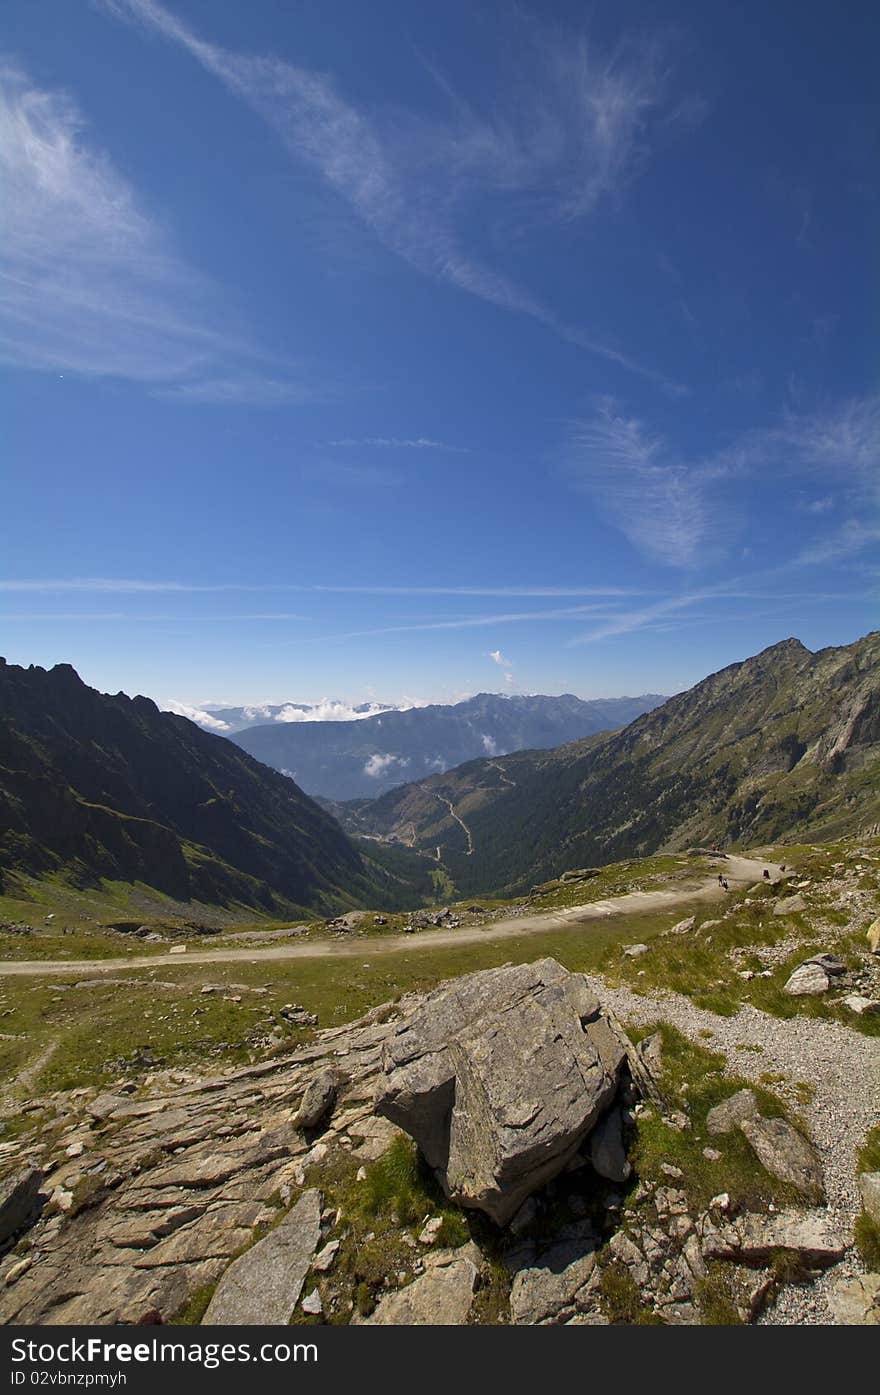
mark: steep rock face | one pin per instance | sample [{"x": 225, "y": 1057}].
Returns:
[
  {"x": 498, "y": 1079},
  {"x": 782, "y": 746},
  {"x": 98, "y": 786}
]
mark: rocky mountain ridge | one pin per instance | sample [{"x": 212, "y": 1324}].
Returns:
[
  {"x": 782, "y": 746},
  {"x": 95, "y": 786}
]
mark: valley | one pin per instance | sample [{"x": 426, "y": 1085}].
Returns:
[{"x": 162, "y": 1033}]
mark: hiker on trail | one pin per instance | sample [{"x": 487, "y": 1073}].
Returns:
[
  {"x": 720, "y": 879},
  {"x": 766, "y": 875},
  {"x": 782, "y": 868},
  {"x": 724, "y": 883}
]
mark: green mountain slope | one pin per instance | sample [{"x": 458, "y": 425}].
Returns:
[
  {"x": 783, "y": 746},
  {"x": 94, "y": 786}
]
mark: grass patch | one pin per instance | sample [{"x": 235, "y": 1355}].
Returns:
[
  {"x": 869, "y": 1154},
  {"x": 867, "y": 1238},
  {"x": 717, "y": 1296},
  {"x": 695, "y": 1079},
  {"x": 621, "y": 1300}
]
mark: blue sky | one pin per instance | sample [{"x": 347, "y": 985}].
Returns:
[{"x": 402, "y": 351}]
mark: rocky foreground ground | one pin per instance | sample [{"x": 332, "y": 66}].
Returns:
[{"x": 237, "y": 1197}]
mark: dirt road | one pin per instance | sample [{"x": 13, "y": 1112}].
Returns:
[{"x": 738, "y": 871}]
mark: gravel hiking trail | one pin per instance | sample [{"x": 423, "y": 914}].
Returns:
[{"x": 739, "y": 871}]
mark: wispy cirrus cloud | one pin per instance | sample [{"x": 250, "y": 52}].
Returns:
[
  {"x": 666, "y": 502},
  {"x": 399, "y": 443},
  {"x": 89, "y": 282},
  {"x": 573, "y": 131},
  {"x": 125, "y": 585},
  {"x": 657, "y": 502}
]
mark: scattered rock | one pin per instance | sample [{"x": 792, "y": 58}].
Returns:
[
  {"x": 525, "y": 1216},
  {"x": 790, "y": 905},
  {"x": 855, "y": 1303},
  {"x": 324, "y": 1258},
  {"x": 650, "y": 1050},
  {"x": 431, "y": 1230},
  {"x": 786, "y": 1154},
  {"x": 754, "y": 1239},
  {"x": 440, "y": 1297},
  {"x": 682, "y": 927},
  {"x": 312, "y": 1304},
  {"x": 807, "y": 979},
  {"x": 633, "y": 951},
  {"x": 873, "y": 937},
  {"x": 833, "y": 966},
  {"x": 862, "y": 1007},
  {"x": 725, "y": 1117},
  {"x": 263, "y": 1285},
  {"x": 318, "y": 1100}
]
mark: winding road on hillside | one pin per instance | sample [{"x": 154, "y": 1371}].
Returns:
[{"x": 738, "y": 871}]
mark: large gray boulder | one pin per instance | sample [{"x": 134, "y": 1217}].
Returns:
[
  {"x": 263, "y": 1285},
  {"x": 499, "y": 1077}
]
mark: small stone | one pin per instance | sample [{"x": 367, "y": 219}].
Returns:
[
  {"x": 669, "y": 1170},
  {"x": 807, "y": 980},
  {"x": 721, "y": 1202},
  {"x": 312, "y": 1303},
  {"x": 633, "y": 951},
  {"x": 712, "y": 1155},
  {"x": 431, "y": 1230},
  {"x": 17, "y": 1270},
  {"x": 681, "y": 927},
  {"x": 862, "y": 1007},
  {"x": 324, "y": 1258}
]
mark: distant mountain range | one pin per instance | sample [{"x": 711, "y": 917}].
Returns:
[
  {"x": 782, "y": 747},
  {"x": 226, "y": 721},
  {"x": 345, "y": 760},
  {"x": 93, "y": 786}
]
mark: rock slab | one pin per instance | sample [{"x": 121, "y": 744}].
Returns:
[
  {"x": 262, "y": 1287},
  {"x": 19, "y": 1201},
  {"x": 786, "y": 1154},
  {"x": 441, "y": 1297}
]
